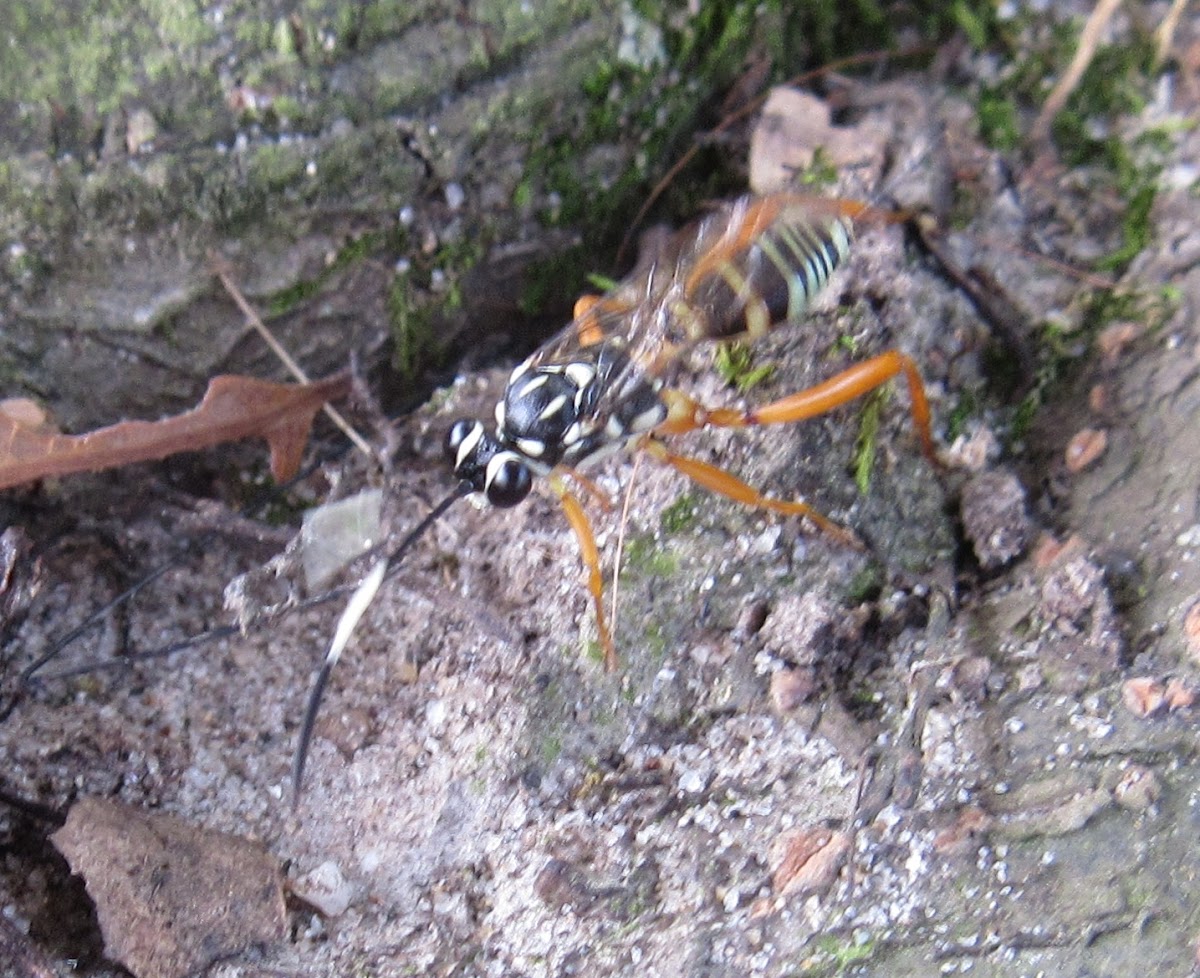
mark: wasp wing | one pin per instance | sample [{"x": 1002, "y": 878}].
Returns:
[{"x": 742, "y": 270}]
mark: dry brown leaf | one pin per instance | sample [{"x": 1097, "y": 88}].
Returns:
[
  {"x": 233, "y": 408},
  {"x": 792, "y": 127},
  {"x": 807, "y": 861},
  {"x": 1143, "y": 696},
  {"x": 171, "y": 898}
]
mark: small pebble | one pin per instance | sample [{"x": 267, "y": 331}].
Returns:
[
  {"x": 1179, "y": 695},
  {"x": 1085, "y": 447},
  {"x": 1138, "y": 789}
]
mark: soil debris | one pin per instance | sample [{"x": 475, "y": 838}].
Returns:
[
  {"x": 171, "y": 898},
  {"x": 995, "y": 519}
]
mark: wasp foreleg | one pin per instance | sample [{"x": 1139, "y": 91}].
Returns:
[{"x": 591, "y": 560}]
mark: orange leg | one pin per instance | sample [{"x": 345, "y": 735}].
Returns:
[
  {"x": 591, "y": 560},
  {"x": 687, "y": 415},
  {"x": 726, "y": 484}
]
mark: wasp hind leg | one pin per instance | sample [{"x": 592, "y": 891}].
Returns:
[
  {"x": 686, "y": 414},
  {"x": 729, "y": 485}
]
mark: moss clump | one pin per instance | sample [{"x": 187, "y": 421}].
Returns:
[
  {"x": 680, "y": 515},
  {"x": 734, "y": 363},
  {"x": 645, "y": 556}
]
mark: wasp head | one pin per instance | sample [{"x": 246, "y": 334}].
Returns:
[{"x": 480, "y": 459}]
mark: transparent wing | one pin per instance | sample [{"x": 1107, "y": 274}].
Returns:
[{"x": 742, "y": 270}]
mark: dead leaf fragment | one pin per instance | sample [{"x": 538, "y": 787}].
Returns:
[
  {"x": 1191, "y": 630},
  {"x": 233, "y": 408},
  {"x": 1143, "y": 696},
  {"x": 807, "y": 861},
  {"x": 171, "y": 898},
  {"x": 792, "y": 127},
  {"x": 1085, "y": 447}
]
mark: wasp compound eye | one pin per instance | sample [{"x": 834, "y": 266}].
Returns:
[
  {"x": 458, "y": 435},
  {"x": 508, "y": 480}
]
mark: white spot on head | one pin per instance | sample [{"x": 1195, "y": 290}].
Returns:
[
  {"x": 519, "y": 371},
  {"x": 531, "y": 447},
  {"x": 468, "y": 445},
  {"x": 495, "y": 464}
]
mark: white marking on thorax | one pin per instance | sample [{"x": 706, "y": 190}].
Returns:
[
  {"x": 531, "y": 447},
  {"x": 553, "y": 408}
]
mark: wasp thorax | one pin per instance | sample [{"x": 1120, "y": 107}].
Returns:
[
  {"x": 540, "y": 406},
  {"x": 481, "y": 460}
]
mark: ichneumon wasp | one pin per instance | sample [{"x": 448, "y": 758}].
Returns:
[{"x": 601, "y": 384}]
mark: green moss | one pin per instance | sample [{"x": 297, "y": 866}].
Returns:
[
  {"x": 865, "y": 585},
  {"x": 551, "y": 748},
  {"x": 1060, "y": 350},
  {"x": 646, "y": 556},
  {"x": 820, "y": 172},
  {"x": 680, "y": 515},
  {"x": 554, "y": 280},
  {"x": 965, "y": 408},
  {"x": 353, "y": 251},
  {"x": 978, "y": 22},
  {"x": 835, "y": 955},
  {"x": 866, "y": 442},
  {"x": 89, "y": 57},
  {"x": 734, "y": 363},
  {"x": 422, "y": 294},
  {"x": 413, "y": 327},
  {"x": 998, "y": 119}
]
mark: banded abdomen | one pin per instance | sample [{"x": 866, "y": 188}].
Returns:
[{"x": 758, "y": 264}]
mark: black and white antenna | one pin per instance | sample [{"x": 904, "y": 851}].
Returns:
[{"x": 359, "y": 601}]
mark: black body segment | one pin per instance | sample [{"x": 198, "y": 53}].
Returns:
[{"x": 743, "y": 269}]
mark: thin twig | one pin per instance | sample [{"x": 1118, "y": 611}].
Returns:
[
  {"x": 1089, "y": 38},
  {"x": 285, "y": 358},
  {"x": 1164, "y": 36}
]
